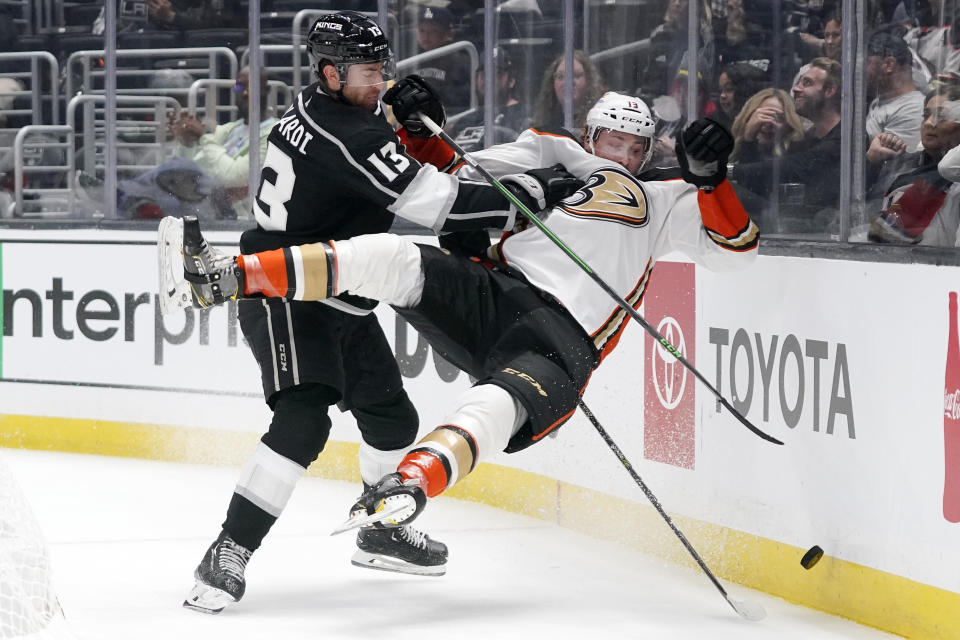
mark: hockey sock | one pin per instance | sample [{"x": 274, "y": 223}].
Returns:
[
  {"x": 268, "y": 479},
  {"x": 485, "y": 418},
  {"x": 382, "y": 266},
  {"x": 442, "y": 457},
  {"x": 376, "y": 463},
  {"x": 305, "y": 272}
]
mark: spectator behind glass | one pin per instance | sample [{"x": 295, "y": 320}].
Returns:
[
  {"x": 934, "y": 39},
  {"x": 896, "y": 107},
  {"x": 833, "y": 36},
  {"x": 812, "y": 162},
  {"x": 764, "y": 130},
  {"x": 587, "y": 89},
  {"x": 766, "y": 127},
  {"x": 450, "y": 74},
  {"x": 209, "y": 175},
  {"x": 509, "y": 115},
  {"x": 737, "y": 82},
  {"x": 748, "y": 33},
  {"x": 224, "y": 154},
  {"x": 921, "y": 206},
  {"x": 668, "y": 46},
  {"x": 829, "y": 46},
  {"x": 664, "y": 151}
]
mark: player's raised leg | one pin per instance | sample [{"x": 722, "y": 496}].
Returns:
[{"x": 193, "y": 273}]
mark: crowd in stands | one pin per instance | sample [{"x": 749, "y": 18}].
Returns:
[{"x": 771, "y": 71}]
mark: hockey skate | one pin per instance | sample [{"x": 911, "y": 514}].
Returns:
[
  {"x": 392, "y": 502},
  {"x": 219, "y": 576},
  {"x": 401, "y": 549},
  {"x": 191, "y": 271}
]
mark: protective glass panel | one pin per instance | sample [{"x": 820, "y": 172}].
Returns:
[{"x": 912, "y": 82}]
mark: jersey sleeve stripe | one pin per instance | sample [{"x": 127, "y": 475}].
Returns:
[
  {"x": 302, "y": 112},
  {"x": 427, "y": 199},
  {"x": 725, "y": 220},
  {"x": 722, "y": 212}
]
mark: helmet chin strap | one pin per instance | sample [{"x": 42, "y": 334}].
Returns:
[{"x": 591, "y": 136}]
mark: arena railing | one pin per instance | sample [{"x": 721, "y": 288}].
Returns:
[
  {"x": 30, "y": 78},
  {"x": 220, "y": 63},
  {"x": 54, "y": 202},
  {"x": 154, "y": 108},
  {"x": 276, "y": 88}
]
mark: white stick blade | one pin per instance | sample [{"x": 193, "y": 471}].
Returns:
[
  {"x": 752, "y": 611},
  {"x": 355, "y": 522}
]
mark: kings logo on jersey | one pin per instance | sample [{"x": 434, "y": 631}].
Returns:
[{"x": 669, "y": 432}]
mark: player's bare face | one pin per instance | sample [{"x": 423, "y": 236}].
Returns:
[
  {"x": 625, "y": 149},
  {"x": 364, "y": 82}
]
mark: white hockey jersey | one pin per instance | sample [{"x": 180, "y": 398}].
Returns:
[
  {"x": 617, "y": 225},
  {"x": 531, "y": 150},
  {"x": 621, "y": 227}
]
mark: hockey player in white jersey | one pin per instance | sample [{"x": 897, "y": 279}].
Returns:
[
  {"x": 619, "y": 128},
  {"x": 527, "y": 323}
]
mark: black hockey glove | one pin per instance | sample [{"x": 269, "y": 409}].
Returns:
[
  {"x": 539, "y": 189},
  {"x": 410, "y": 96},
  {"x": 702, "y": 151}
]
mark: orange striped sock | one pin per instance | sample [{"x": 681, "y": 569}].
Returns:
[
  {"x": 427, "y": 469},
  {"x": 268, "y": 273}
]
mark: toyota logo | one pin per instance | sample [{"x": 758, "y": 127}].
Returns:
[{"x": 669, "y": 376}]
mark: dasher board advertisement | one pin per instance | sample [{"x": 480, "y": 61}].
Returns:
[{"x": 846, "y": 362}]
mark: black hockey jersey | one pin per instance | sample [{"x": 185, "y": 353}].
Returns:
[{"x": 334, "y": 170}]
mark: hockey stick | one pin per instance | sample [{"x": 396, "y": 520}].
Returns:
[
  {"x": 623, "y": 304},
  {"x": 747, "y": 610}
]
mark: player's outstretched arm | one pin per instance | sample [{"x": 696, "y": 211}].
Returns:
[{"x": 726, "y": 237}]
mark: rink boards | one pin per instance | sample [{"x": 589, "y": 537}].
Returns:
[{"x": 843, "y": 361}]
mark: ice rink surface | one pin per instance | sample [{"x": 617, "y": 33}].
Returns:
[{"x": 125, "y": 536}]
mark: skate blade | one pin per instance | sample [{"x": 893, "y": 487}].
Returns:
[
  {"x": 355, "y": 522},
  {"x": 207, "y": 599},
  {"x": 174, "y": 291},
  {"x": 387, "y": 563}
]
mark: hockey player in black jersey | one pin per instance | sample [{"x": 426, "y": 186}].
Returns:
[
  {"x": 528, "y": 324},
  {"x": 335, "y": 169}
]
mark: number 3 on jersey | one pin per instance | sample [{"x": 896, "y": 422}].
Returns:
[{"x": 276, "y": 189}]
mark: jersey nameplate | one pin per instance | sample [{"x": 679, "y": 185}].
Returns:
[{"x": 295, "y": 133}]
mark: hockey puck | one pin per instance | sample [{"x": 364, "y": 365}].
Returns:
[{"x": 811, "y": 557}]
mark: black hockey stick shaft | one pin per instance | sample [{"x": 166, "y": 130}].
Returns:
[
  {"x": 623, "y": 304},
  {"x": 749, "y": 611}
]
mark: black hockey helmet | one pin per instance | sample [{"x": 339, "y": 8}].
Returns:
[{"x": 347, "y": 38}]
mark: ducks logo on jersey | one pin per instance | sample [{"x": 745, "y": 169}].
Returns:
[{"x": 612, "y": 195}]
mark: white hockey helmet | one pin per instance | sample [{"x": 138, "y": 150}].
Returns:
[{"x": 619, "y": 112}]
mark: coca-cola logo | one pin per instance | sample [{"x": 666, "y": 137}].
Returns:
[{"x": 951, "y": 404}]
